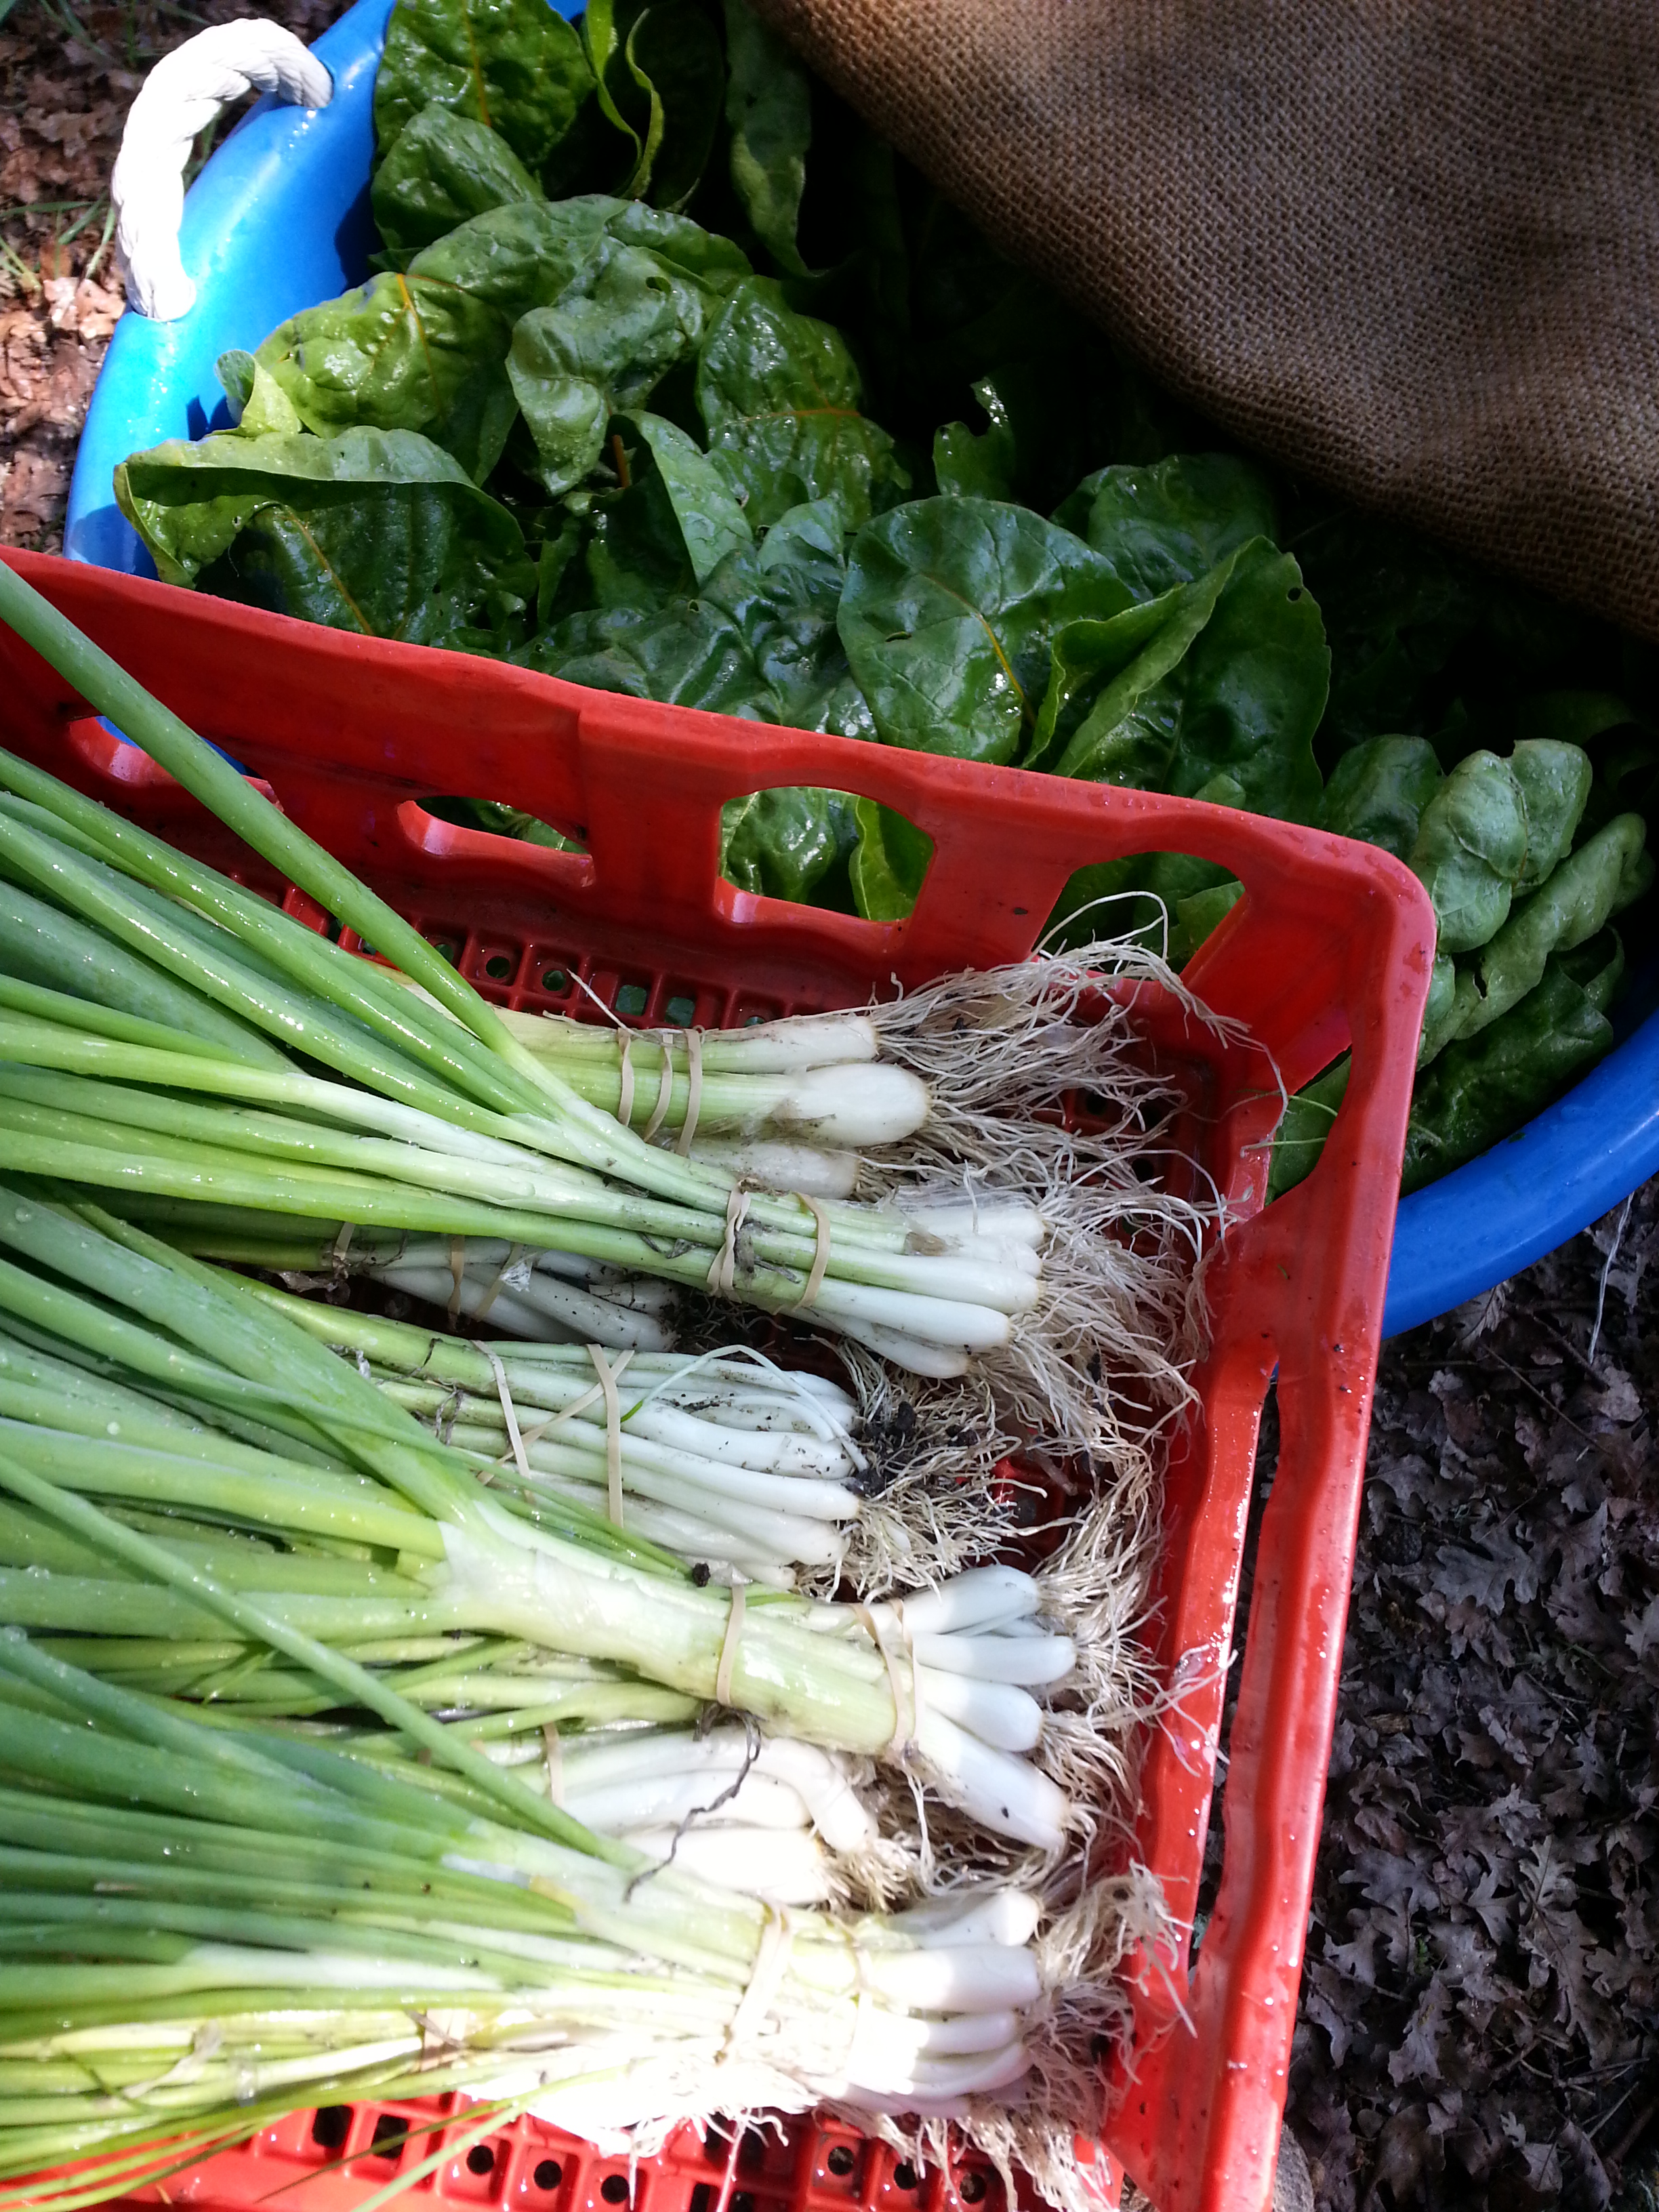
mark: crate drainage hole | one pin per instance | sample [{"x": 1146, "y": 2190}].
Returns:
[
  {"x": 630, "y": 999},
  {"x": 905, "y": 2175},
  {"x": 549, "y": 2174},
  {"x": 390, "y": 2135},
  {"x": 970, "y": 2187},
  {"x": 679, "y": 1012},
  {"x": 331, "y": 2124},
  {"x": 555, "y": 982},
  {"x": 480, "y": 2159},
  {"x": 840, "y": 2160},
  {"x": 614, "y": 2188},
  {"x": 498, "y": 967}
]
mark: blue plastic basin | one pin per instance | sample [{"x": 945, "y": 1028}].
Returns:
[{"x": 279, "y": 220}]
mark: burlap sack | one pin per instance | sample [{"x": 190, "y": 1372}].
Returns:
[{"x": 1410, "y": 248}]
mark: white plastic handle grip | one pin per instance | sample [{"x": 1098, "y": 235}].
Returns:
[{"x": 182, "y": 95}]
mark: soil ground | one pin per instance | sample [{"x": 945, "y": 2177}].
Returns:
[{"x": 1479, "y": 2017}]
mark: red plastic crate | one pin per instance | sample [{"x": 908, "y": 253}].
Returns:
[{"x": 1330, "y": 945}]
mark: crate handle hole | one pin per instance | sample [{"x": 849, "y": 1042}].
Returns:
[{"x": 830, "y": 849}]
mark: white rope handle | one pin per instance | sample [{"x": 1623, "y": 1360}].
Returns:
[{"x": 182, "y": 95}]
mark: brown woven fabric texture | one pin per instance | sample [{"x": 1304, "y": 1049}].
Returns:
[{"x": 1412, "y": 250}]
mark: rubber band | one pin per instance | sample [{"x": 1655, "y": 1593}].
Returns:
[
  {"x": 694, "y": 1089},
  {"x": 771, "y": 1960},
  {"x": 625, "y": 1100},
  {"x": 457, "y": 1270},
  {"x": 607, "y": 1376},
  {"x": 729, "y": 1643},
  {"x": 555, "y": 1762},
  {"x": 821, "y": 1248},
  {"x": 665, "y": 1088},
  {"x": 723, "y": 1270},
  {"x": 509, "y": 1414},
  {"x": 341, "y": 1246},
  {"x": 514, "y": 1254},
  {"x": 902, "y": 1737}
]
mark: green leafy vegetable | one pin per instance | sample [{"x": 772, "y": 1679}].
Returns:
[
  {"x": 511, "y": 64},
  {"x": 400, "y": 353},
  {"x": 1300, "y": 1137},
  {"x": 378, "y": 531},
  {"x": 890, "y": 863},
  {"x": 703, "y": 497},
  {"x": 1555, "y": 782},
  {"x": 978, "y": 467},
  {"x": 1379, "y": 791},
  {"x": 768, "y": 108},
  {"x": 1233, "y": 718},
  {"x": 1481, "y": 1088},
  {"x": 601, "y": 348},
  {"x": 1172, "y": 521},
  {"x": 947, "y": 617},
  {"x": 1471, "y": 848},
  {"x": 1568, "y": 909},
  {"x": 711, "y": 522},
  {"x": 786, "y": 844},
  {"x": 442, "y": 169},
  {"x": 779, "y": 397}
]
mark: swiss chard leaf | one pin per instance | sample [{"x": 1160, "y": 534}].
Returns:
[
  {"x": 1555, "y": 783},
  {"x": 967, "y": 467},
  {"x": 711, "y": 522},
  {"x": 1171, "y": 521},
  {"x": 599, "y": 349},
  {"x": 661, "y": 76},
  {"x": 400, "y": 353},
  {"x": 512, "y": 64},
  {"x": 442, "y": 169},
  {"x": 1471, "y": 847},
  {"x": 683, "y": 652},
  {"x": 947, "y": 616},
  {"x": 769, "y": 108},
  {"x": 378, "y": 531},
  {"x": 1234, "y": 718},
  {"x": 1300, "y": 1137},
  {"x": 779, "y": 395},
  {"x": 1378, "y": 791},
  {"x": 519, "y": 257},
  {"x": 1571, "y": 907},
  {"x": 1220, "y": 703},
  {"x": 758, "y": 637},
  {"x": 1481, "y": 1088},
  {"x": 786, "y": 844},
  {"x": 889, "y": 864},
  {"x": 1102, "y": 667}
]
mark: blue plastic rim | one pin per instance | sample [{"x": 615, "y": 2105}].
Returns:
[{"x": 279, "y": 220}]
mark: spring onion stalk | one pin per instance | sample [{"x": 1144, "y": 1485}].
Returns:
[
  {"x": 455, "y": 1060},
  {"x": 200, "y": 1936},
  {"x": 499, "y": 1560}
]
